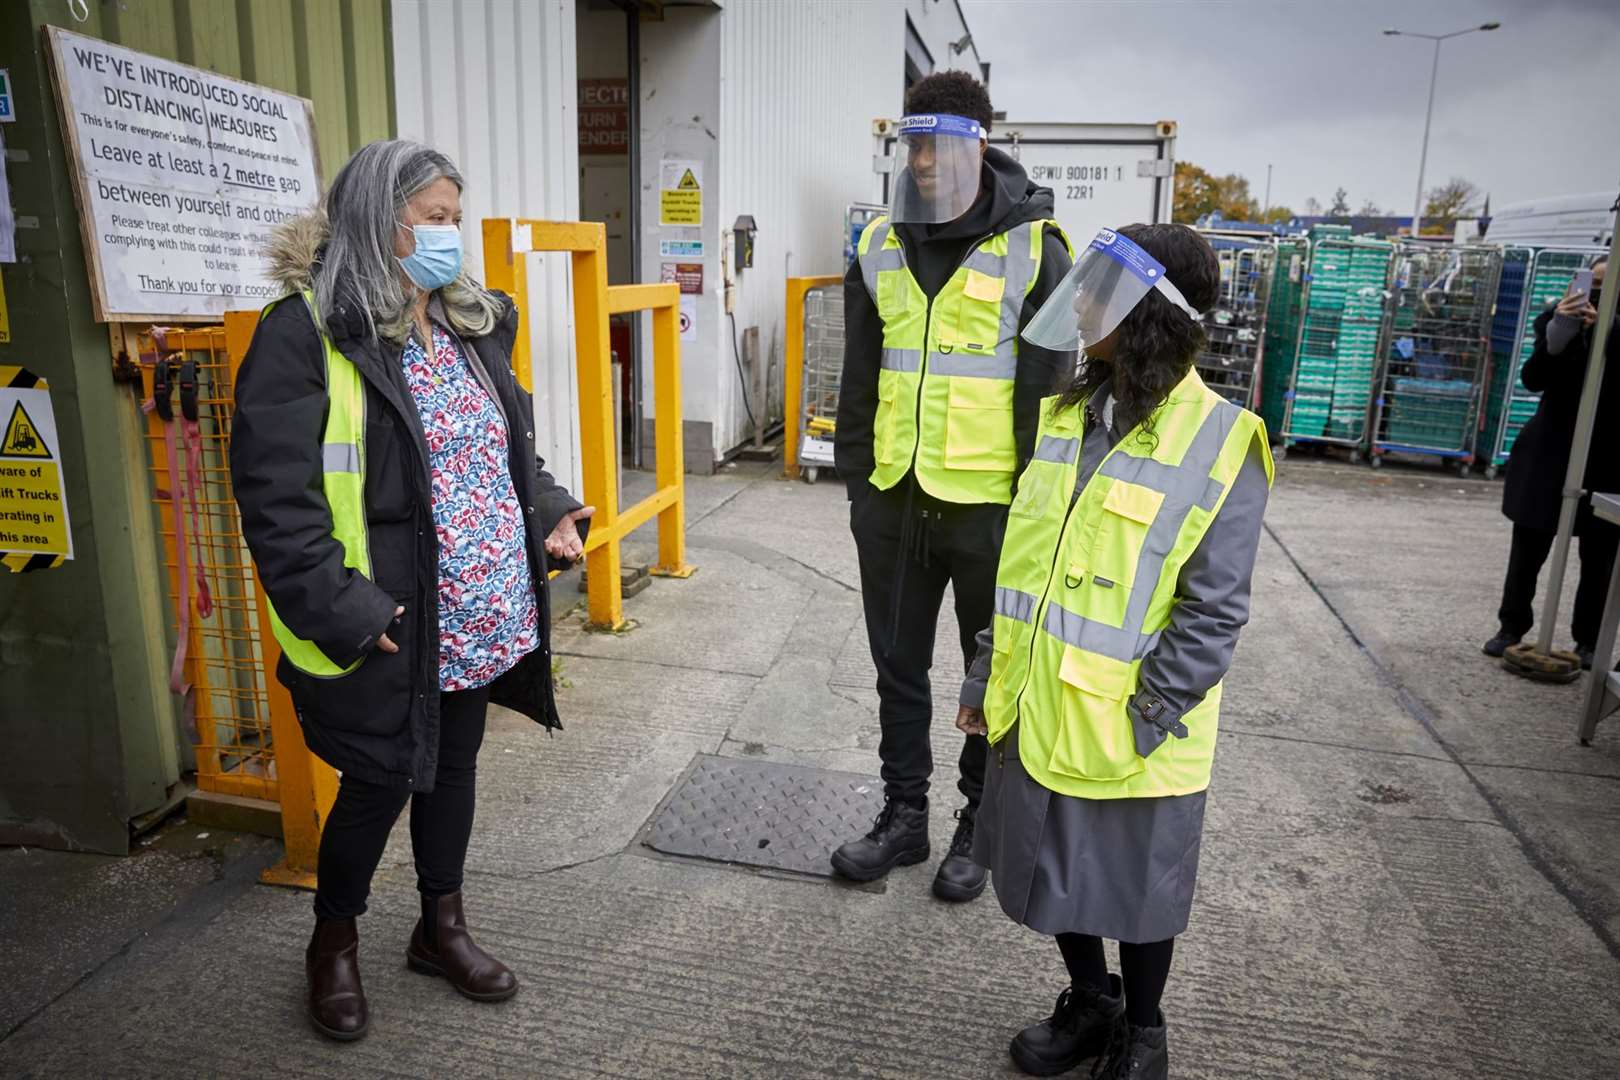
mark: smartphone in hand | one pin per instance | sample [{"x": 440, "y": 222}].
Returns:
[{"x": 1581, "y": 284}]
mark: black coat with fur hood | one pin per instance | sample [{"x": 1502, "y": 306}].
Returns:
[{"x": 380, "y": 722}]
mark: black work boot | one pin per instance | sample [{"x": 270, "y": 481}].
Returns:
[
  {"x": 1499, "y": 644},
  {"x": 1143, "y": 1054},
  {"x": 336, "y": 1002},
  {"x": 1082, "y": 1026},
  {"x": 960, "y": 878},
  {"x": 899, "y": 837}
]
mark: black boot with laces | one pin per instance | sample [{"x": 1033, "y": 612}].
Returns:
[
  {"x": 899, "y": 837},
  {"x": 960, "y": 878},
  {"x": 1085, "y": 1023},
  {"x": 1143, "y": 1054}
]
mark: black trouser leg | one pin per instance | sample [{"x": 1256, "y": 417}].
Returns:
[
  {"x": 1083, "y": 956},
  {"x": 1145, "y": 968},
  {"x": 1528, "y": 554},
  {"x": 352, "y": 842},
  {"x": 441, "y": 821},
  {"x": 1598, "y": 547},
  {"x": 975, "y": 552},
  {"x": 905, "y": 695}
]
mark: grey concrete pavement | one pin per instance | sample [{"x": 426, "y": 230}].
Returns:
[{"x": 1410, "y": 868}]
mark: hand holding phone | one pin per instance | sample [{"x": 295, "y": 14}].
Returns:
[{"x": 1576, "y": 302}]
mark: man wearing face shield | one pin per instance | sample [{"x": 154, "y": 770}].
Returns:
[{"x": 937, "y": 415}]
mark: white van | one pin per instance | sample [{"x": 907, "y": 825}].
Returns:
[{"x": 1563, "y": 221}]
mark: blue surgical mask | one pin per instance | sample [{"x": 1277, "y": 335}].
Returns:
[{"x": 436, "y": 262}]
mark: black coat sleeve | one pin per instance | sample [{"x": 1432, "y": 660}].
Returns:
[
  {"x": 276, "y": 434},
  {"x": 1543, "y": 371},
  {"x": 858, "y": 385},
  {"x": 1039, "y": 370}
]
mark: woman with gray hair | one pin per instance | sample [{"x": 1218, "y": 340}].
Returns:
[{"x": 383, "y": 457}]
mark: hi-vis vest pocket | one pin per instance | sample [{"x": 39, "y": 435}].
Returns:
[
  {"x": 1131, "y": 509},
  {"x": 1094, "y": 740},
  {"x": 884, "y": 423},
  {"x": 978, "y": 426}
]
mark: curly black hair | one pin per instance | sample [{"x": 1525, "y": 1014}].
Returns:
[
  {"x": 1156, "y": 344},
  {"x": 953, "y": 92}
]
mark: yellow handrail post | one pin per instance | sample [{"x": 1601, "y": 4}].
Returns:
[
  {"x": 598, "y": 442},
  {"x": 509, "y": 272},
  {"x": 793, "y": 367},
  {"x": 667, "y": 423}
]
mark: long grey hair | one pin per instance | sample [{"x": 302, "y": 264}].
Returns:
[{"x": 364, "y": 207}]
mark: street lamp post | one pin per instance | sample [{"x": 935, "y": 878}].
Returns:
[{"x": 1428, "y": 117}]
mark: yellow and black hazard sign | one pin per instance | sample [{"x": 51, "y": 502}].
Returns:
[
  {"x": 34, "y": 532},
  {"x": 688, "y": 182}
]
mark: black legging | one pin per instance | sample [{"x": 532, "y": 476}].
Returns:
[
  {"x": 1144, "y": 968},
  {"x": 441, "y": 821}
]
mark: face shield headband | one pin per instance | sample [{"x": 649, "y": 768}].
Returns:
[{"x": 1111, "y": 276}]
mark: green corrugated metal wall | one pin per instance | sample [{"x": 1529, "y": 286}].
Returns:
[{"x": 337, "y": 53}]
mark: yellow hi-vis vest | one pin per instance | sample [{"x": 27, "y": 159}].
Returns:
[
  {"x": 945, "y": 385},
  {"x": 1086, "y": 584},
  {"x": 343, "y": 480}
]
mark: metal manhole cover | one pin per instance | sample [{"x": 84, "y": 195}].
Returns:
[{"x": 763, "y": 813}]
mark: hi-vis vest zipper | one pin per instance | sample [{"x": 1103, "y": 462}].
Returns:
[
  {"x": 1086, "y": 585},
  {"x": 343, "y": 480},
  {"x": 945, "y": 388}
]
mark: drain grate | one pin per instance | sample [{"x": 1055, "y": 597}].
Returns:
[{"x": 762, "y": 813}]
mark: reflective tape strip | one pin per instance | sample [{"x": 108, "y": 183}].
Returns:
[
  {"x": 1123, "y": 645},
  {"x": 902, "y": 360},
  {"x": 1015, "y": 604},
  {"x": 1060, "y": 451},
  {"x": 1191, "y": 485},
  {"x": 986, "y": 262},
  {"x": 1019, "y": 270},
  {"x": 972, "y": 365},
  {"x": 1172, "y": 480},
  {"x": 876, "y": 258},
  {"x": 339, "y": 457}
]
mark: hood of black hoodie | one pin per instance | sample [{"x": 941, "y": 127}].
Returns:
[{"x": 1007, "y": 199}]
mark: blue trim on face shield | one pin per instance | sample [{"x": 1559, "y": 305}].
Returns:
[
  {"x": 940, "y": 124},
  {"x": 436, "y": 262}
]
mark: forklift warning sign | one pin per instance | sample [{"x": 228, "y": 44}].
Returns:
[
  {"x": 34, "y": 532},
  {"x": 680, "y": 192}
]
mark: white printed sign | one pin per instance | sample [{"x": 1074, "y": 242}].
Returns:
[
  {"x": 180, "y": 175},
  {"x": 1096, "y": 187}
]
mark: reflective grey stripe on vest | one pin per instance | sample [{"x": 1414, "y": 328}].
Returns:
[
  {"x": 1184, "y": 486},
  {"x": 902, "y": 360},
  {"x": 1016, "y": 605},
  {"x": 877, "y": 258},
  {"x": 985, "y": 262},
  {"x": 1056, "y": 450},
  {"x": 973, "y": 365},
  {"x": 339, "y": 457},
  {"x": 1020, "y": 269},
  {"x": 1092, "y": 636}
]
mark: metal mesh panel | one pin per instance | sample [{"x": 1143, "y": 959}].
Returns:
[
  {"x": 823, "y": 372},
  {"x": 228, "y": 707},
  {"x": 1235, "y": 327},
  {"x": 1435, "y": 350}
]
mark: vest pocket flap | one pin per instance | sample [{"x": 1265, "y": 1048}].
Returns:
[
  {"x": 1133, "y": 501},
  {"x": 1095, "y": 674},
  {"x": 980, "y": 286},
  {"x": 981, "y": 394}
]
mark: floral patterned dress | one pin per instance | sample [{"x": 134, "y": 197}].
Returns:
[{"x": 488, "y": 617}]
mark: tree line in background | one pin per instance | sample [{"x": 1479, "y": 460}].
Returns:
[{"x": 1199, "y": 192}]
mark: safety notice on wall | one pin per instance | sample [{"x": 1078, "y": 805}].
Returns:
[
  {"x": 180, "y": 175},
  {"x": 34, "y": 529},
  {"x": 689, "y": 318},
  {"x": 680, "y": 192}
]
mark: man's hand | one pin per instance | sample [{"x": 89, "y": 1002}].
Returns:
[
  {"x": 386, "y": 643},
  {"x": 564, "y": 541},
  {"x": 970, "y": 721},
  {"x": 1578, "y": 306}
]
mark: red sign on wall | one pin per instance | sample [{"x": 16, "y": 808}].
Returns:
[{"x": 604, "y": 116}]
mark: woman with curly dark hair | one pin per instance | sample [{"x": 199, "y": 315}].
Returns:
[{"x": 1122, "y": 586}]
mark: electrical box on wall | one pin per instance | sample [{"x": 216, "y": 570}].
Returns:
[{"x": 743, "y": 244}]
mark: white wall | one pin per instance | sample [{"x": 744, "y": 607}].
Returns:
[{"x": 505, "y": 111}]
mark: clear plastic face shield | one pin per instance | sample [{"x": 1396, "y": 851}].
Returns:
[
  {"x": 1111, "y": 276},
  {"x": 940, "y": 160}
]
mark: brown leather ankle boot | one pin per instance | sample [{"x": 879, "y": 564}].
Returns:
[
  {"x": 441, "y": 946},
  {"x": 337, "y": 1001}
]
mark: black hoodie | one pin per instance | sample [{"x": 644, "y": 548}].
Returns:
[{"x": 933, "y": 252}]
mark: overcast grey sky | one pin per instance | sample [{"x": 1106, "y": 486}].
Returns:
[{"x": 1314, "y": 88}]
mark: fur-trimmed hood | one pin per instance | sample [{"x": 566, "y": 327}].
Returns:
[{"x": 294, "y": 247}]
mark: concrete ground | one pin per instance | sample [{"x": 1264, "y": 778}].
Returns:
[{"x": 1410, "y": 867}]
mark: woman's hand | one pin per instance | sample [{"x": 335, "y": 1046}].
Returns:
[
  {"x": 1578, "y": 306},
  {"x": 386, "y": 643},
  {"x": 564, "y": 541},
  {"x": 970, "y": 721}
]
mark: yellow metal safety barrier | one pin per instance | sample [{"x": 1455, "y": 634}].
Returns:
[
  {"x": 793, "y": 367},
  {"x": 248, "y": 743},
  {"x": 506, "y": 240}
]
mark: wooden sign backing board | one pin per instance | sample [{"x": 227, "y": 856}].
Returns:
[{"x": 292, "y": 175}]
